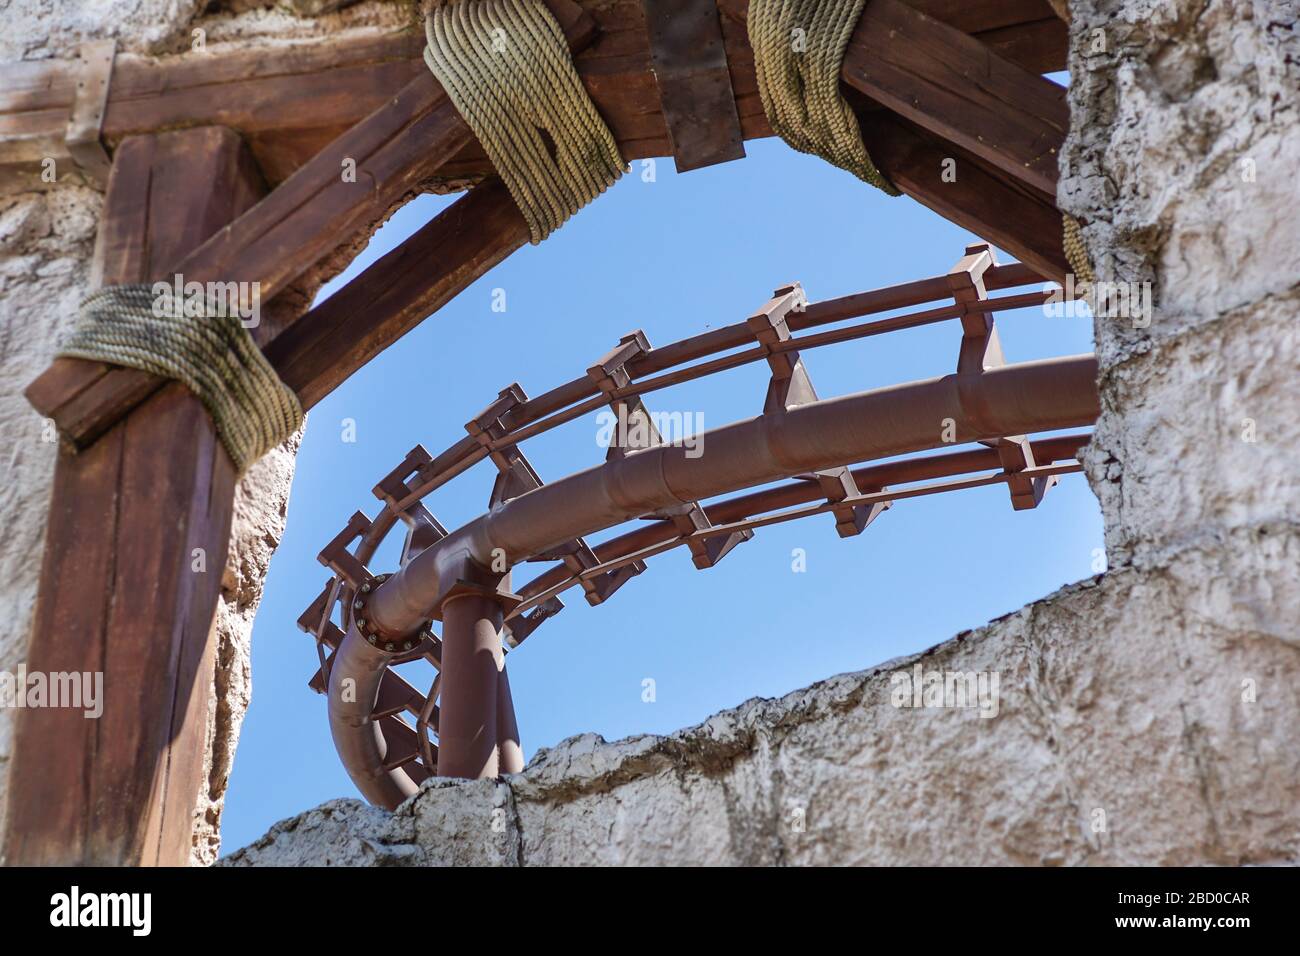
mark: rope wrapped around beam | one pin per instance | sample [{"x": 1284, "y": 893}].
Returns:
[
  {"x": 200, "y": 343},
  {"x": 798, "y": 52},
  {"x": 1076, "y": 253},
  {"x": 508, "y": 71}
]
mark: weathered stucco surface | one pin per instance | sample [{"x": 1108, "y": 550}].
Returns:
[
  {"x": 1146, "y": 716},
  {"x": 47, "y": 234}
]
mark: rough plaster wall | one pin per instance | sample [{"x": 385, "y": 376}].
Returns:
[
  {"x": 1184, "y": 770},
  {"x": 1183, "y": 168},
  {"x": 47, "y": 234},
  {"x": 1160, "y": 698}
]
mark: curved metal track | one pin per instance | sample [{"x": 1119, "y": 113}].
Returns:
[{"x": 365, "y": 625}]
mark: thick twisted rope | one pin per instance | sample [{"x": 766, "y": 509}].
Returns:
[
  {"x": 209, "y": 350},
  {"x": 506, "y": 66},
  {"x": 798, "y": 51},
  {"x": 1076, "y": 254}
]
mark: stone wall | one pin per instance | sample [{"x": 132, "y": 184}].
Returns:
[
  {"x": 1148, "y": 716},
  {"x": 1090, "y": 759},
  {"x": 47, "y": 233}
]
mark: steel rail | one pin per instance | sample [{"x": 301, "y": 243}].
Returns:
[
  {"x": 1034, "y": 396},
  {"x": 581, "y": 396},
  {"x": 468, "y": 452},
  {"x": 1048, "y": 450},
  {"x": 793, "y": 514},
  {"x": 986, "y": 401}
]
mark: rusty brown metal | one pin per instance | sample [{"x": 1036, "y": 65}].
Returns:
[
  {"x": 798, "y": 436},
  {"x": 538, "y": 592},
  {"x": 476, "y": 705},
  {"x": 1033, "y": 396}
]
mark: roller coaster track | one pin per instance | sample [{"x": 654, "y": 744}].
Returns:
[{"x": 366, "y": 625}]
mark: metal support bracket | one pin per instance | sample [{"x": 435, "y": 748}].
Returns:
[
  {"x": 789, "y": 385},
  {"x": 423, "y": 530},
  {"x": 635, "y": 430},
  {"x": 838, "y": 484},
  {"x": 86, "y": 119},
  {"x": 515, "y": 476},
  {"x": 316, "y": 622},
  {"x": 981, "y": 349},
  {"x": 578, "y": 557},
  {"x": 705, "y": 552},
  {"x": 517, "y": 629},
  {"x": 342, "y": 561},
  {"x": 690, "y": 67}
]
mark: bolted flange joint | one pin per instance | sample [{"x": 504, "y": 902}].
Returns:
[{"x": 375, "y": 637}]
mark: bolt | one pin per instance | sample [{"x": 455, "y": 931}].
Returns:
[{"x": 365, "y": 588}]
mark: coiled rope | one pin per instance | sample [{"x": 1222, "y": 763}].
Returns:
[
  {"x": 201, "y": 343},
  {"x": 1076, "y": 253},
  {"x": 506, "y": 66},
  {"x": 798, "y": 51}
]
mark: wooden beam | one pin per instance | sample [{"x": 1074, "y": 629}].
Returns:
[
  {"x": 964, "y": 189},
  {"x": 135, "y": 548},
  {"x": 955, "y": 86},
  {"x": 481, "y": 229},
  {"x": 260, "y": 92},
  {"x": 952, "y": 85},
  {"x": 354, "y": 182},
  {"x": 398, "y": 292}
]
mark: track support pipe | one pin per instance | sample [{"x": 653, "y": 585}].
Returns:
[
  {"x": 1008, "y": 400},
  {"x": 356, "y": 671},
  {"x": 477, "y": 734}
]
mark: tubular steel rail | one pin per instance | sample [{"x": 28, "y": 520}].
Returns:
[{"x": 463, "y": 578}]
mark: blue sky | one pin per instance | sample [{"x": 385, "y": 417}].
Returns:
[{"x": 673, "y": 257}]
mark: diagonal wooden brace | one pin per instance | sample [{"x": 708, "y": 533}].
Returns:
[{"x": 393, "y": 151}]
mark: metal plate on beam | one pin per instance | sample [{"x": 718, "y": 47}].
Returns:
[
  {"x": 87, "y": 116},
  {"x": 690, "y": 65}
]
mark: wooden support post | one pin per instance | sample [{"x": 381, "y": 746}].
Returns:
[{"x": 136, "y": 544}]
